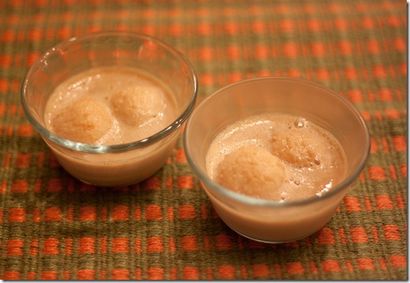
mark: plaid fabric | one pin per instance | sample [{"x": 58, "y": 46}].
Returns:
[{"x": 54, "y": 227}]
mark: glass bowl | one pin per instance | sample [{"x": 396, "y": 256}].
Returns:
[
  {"x": 270, "y": 220},
  {"x": 119, "y": 164}
]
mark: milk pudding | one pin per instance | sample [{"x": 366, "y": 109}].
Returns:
[
  {"x": 277, "y": 157},
  {"x": 109, "y": 105}
]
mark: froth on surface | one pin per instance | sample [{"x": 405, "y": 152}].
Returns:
[
  {"x": 311, "y": 158},
  {"x": 109, "y": 105}
]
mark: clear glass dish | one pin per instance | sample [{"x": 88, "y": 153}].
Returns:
[
  {"x": 269, "y": 220},
  {"x": 119, "y": 164}
]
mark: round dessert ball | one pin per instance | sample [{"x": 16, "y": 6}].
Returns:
[
  {"x": 86, "y": 120},
  {"x": 295, "y": 148},
  {"x": 253, "y": 171},
  {"x": 136, "y": 105}
]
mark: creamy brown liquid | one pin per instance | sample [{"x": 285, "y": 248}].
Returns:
[
  {"x": 110, "y": 105},
  {"x": 276, "y": 156}
]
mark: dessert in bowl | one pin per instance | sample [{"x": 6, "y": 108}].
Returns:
[
  {"x": 276, "y": 155},
  {"x": 110, "y": 105}
]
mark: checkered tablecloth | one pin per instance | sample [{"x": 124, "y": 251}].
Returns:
[{"x": 54, "y": 227}]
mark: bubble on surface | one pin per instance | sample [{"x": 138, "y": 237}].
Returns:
[
  {"x": 300, "y": 123},
  {"x": 325, "y": 189},
  {"x": 296, "y": 182}
]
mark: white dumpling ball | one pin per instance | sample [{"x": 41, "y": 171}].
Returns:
[
  {"x": 295, "y": 149},
  {"x": 85, "y": 120},
  {"x": 253, "y": 171},
  {"x": 136, "y": 105}
]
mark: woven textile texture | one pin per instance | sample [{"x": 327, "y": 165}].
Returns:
[{"x": 54, "y": 227}]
